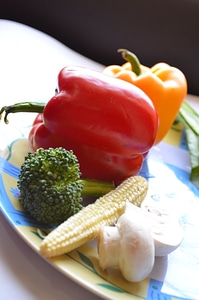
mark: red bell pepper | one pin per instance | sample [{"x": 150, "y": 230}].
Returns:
[{"x": 110, "y": 124}]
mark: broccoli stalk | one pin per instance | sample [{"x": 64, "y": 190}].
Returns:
[{"x": 51, "y": 187}]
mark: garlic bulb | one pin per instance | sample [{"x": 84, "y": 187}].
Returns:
[
  {"x": 139, "y": 235},
  {"x": 128, "y": 246}
]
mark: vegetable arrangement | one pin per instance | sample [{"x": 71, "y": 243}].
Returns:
[
  {"x": 104, "y": 127},
  {"x": 84, "y": 226},
  {"x": 165, "y": 85},
  {"x": 109, "y": 124}
]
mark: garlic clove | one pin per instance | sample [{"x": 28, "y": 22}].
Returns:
[
  {"x": 128, "y": 246},
  {"x": 167, "y": 230},
  {"x": 137, "y": 252},
  {"x": 108, "y": 247}
]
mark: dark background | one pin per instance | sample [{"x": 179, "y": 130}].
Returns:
[{"x": 155, "y": 30}]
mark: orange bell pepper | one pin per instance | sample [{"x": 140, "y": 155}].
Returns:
[{"x": 165, "y": 85}]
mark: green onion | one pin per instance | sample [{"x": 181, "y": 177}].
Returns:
[{"x": 190, "y": 120}]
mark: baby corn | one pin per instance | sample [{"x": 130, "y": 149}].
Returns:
[{"x": 84, "y": 226}]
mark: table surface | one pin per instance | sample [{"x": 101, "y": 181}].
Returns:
[{"x": 29, "y": 67}]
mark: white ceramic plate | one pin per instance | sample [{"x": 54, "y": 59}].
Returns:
[{"x": 81, "y": 265}]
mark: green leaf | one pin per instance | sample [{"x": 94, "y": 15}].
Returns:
[
  {"x": 37, "y": 234},
  {"x": 190, "y": 120},
  {"x": 86, "y": 260},
  {"x": 193, "y": 145},
  {"x": 189, "y": 117},
  {"x": 111, "y": 287},
  {"x": 195, "y": 176}
]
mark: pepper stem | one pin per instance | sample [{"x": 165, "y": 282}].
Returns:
[
  {"x": 33, "y": 107},
  {"x": 132, "y": 58}
]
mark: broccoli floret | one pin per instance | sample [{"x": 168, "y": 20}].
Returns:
[{"x": 50, "y": 185}]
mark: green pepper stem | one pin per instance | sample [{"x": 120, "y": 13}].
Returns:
[
  {"x": 91, "y": 187},
  {"x": 33, "y": 107},
  {"x": 132, "y": 58},
  {"x": 96, "y": 187}
]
